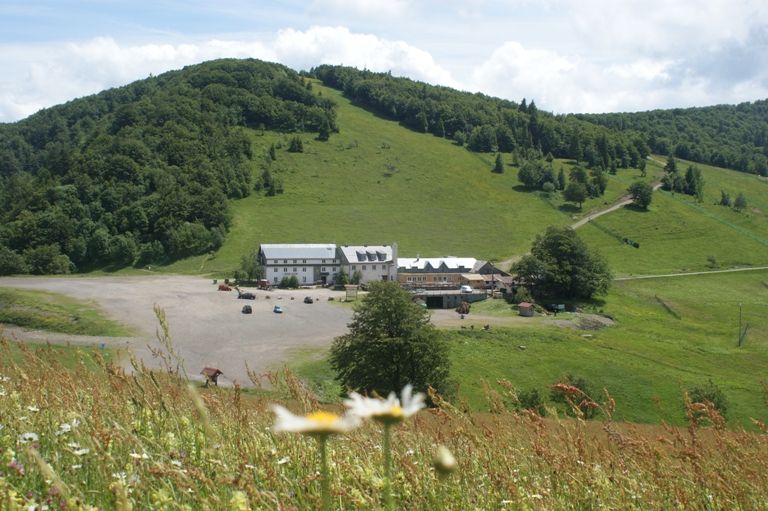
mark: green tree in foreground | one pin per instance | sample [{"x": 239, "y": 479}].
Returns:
[
  {"x": 561, "y": 265},
  {"x": 391, "y": 343},
  {"x": 641, "y": 193}
]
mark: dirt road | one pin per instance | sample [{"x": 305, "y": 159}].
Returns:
[{"x": 206, "y": 325}]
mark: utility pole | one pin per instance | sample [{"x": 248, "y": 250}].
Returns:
[{"x": 742, "y": 331}]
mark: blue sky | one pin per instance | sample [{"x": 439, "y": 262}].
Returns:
[{"x": 570, "y": 56}]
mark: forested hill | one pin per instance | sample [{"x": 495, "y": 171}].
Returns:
[
  {"x": 142, "y": 173},
  {"x": 725, "y": 135},
  {"x": 486, "y": 124},
  {"x": 735, "y": 137}
]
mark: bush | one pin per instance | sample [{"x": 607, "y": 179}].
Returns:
[
  {"x": 575, "y": 393},
  {"x": 10, "y": 262},
  {"x": 709, "y": 394},
  {"x": 531, "y": 400}
]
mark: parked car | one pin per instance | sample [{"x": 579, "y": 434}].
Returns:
[
  {"x": 247, "y": 309},
  {"x": 308, "y": 299},
  {"x": 246, "y": 296},
  {"x": 466, "y": 289},
  {"x": 278, "y": 309}
]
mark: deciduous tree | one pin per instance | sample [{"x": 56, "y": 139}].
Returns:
[{"x": 391, "y": 343}]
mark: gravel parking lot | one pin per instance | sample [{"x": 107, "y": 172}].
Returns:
[{"x": 206, "y": 325}]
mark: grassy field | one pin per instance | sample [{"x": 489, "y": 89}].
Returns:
[
  {"x": 678, "y": 234},
  {"x": 83, "y": 440},
  {"x": 377, "y": 182},
  {"x": 54, "y": 312},
  {"x": 670, "y": 334},
  {"x": 68, "y": 356}
]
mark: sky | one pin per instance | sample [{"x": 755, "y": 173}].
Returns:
[{"x": 567, "y": 55}]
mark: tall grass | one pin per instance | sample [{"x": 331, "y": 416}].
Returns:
[{"x": 74, "y": 438}]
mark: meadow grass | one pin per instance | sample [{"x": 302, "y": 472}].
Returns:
[
  {"x": 55, "y": 312},
  {"x": 678, "y": 234},
  {"x": 670, "y": 334},
  {"x": 100, "y": 439},
  {"x": 69, "y": 356}
]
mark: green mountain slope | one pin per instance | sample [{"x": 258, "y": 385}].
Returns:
[{"x": 377, "y": 182}]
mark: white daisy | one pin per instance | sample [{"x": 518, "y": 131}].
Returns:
[
  {"x": 137, "y": 456},
  {"x": 28, "y": 437},
  {"x": 316, "y": 423},
  {"x": 81, "y": 452},
  {"x": 388, "y": 411}
]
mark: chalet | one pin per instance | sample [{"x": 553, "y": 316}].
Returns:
[
  {"x": 310, "y": 263},
  {"x": 371, "y": 262}
]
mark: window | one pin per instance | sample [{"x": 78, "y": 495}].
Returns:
[
  {"x": 276, "y": 261},
  {"x": 323, "y": 261},
  {"x": 285, "y": 261},
  {"x": 275, "y": 280},
  {"x": 304, "y": 261},
  {"x": 285, "y": 270},
  {"x": 304, "y": 279},
  {"x": 363, "y": 267},
  {"x": 304, "y": 270},
  {"x": 322, "y": 269},
  {"x": 294, "y": 270},
  {"x": 409, "y": 279},
  {"x": 294, "y": 261},
  {"x": 373, "y": 266}
]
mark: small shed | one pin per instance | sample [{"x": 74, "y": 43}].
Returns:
[
  {"x": 525, "y": 309},
  {"x": 211, "y": 375},
  {"x": 474, "y": 280}
]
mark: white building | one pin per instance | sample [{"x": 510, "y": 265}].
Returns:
[
  {"x": 374, "y": 262},
  {"x": 310, "y": 263}
]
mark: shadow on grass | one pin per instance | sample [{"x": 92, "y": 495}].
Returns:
[
  {"x": 569, "y": 208},
  {"x": 636, "y": 208}
]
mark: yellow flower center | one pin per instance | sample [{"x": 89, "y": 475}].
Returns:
[
  {"x": 396, "y": 411},
  {"x": 322, "y": 417}
]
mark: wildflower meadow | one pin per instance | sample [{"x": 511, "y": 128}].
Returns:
[{"x": 95, "y": 437}]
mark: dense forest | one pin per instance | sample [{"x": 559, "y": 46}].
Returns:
[
  {"x": 142, "y": 173},
  {"x": 732, "y": 136},
  {"x": 486, "y": 124}
]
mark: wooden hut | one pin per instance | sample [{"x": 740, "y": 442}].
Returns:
[{"x": 525, "y": 309}]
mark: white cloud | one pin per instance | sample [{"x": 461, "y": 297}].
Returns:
[
  {"x": 570, "y": 83},
  {"x": 45, "y": 75},
  {"x": 366, "y": 9},
  {"x": 337, "y": 45},
  {"x": 663, "y": 26}
]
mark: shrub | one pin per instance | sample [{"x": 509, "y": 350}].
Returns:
[
  {"x": 709, "y": 393},
  {"x": 576, "y": 394}
]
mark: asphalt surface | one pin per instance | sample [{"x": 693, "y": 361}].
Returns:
[{"x": 206, "y": 325}]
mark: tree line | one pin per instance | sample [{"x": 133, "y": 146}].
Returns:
[
  {"x": 731, "y": 136},
  {"x": 483, "y": 123},
  {"x": 142, "y": 174}
]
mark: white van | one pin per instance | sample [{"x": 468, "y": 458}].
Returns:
[{"x": 466, "y": 289}]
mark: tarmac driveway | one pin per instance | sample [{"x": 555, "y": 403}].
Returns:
[{"x": 206, "y": 325}]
